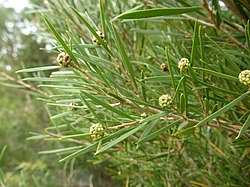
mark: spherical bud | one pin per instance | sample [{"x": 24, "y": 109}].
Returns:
[
  {"x": 183, "y": 64},
  {"x": 96, "y": 131},
  {"x": 101, "y": 35},
  {"x": 164, "y": 67},
  {"x": 64, "y": 59},
  {"x": 165, "y": 101},
  {"x": 73, "y": 106},
  {"x": 244, "y": 77}
]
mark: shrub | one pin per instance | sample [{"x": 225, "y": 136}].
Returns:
[{"x": 114, "y": 52}]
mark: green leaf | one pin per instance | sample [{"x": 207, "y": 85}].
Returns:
[
  {"x": 217, "y": 89},
  {"x": 215, "y": 114},
  {"x": 127, "y": 64},
  {"x": 91, "y": 109},
  {"x": 247, "y": 35},
  {"x": 154, "y": 116},
  {"x": 43, "y": 79},
  {"x": 158, "y": 132},
  {"x": 143, "y": 88},
  {"x": 44, "y": 68},
  {"x": 202, "y": 53},
  {"x": 92, "y": 31},
  {"x": 177, "y": 90},
  {"x": 102, "y": 14},
  {"x": 195, "y": 44},
  {"x": 226, "y": 55},
  {"x": 107, "y": 106},
  {"x": 193, "y": 75},
  {"x": 60, "y": 115},
  {"x": 85, "y": 150},
  {"x": 170, "y": 68},
  {"x": 62, "y": 150},
  {"x": 241, "y": 144},
  {"x": 75, "y": 136},
  {"x": 93, "y": 146},
  {"x": 2, "y": 152},
  {"x": 157, "y": 12},
  {"x": 223, "y": 109},
  {"x": 244, "y": 127},
  {"x": 121, "y": 138},
  {"x": 218, "y": 14},
  {"x": 59, "y": 38},
  {"x": 148, "y": 129},
  {"x": 218, "y": 74},
  {"x": 182, "y": 103},
  {"x": 11, "y": 85},
  {"x": 185, "y": 92}
]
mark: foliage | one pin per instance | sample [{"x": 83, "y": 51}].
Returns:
[{"x": 118, "y": 80}]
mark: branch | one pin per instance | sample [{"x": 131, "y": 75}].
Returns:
[
  {"x": 123, "y": 125},
  {"x": 28, "y": 86}
]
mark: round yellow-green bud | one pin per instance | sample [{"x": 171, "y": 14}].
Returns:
[
  {"x": 73, "y": 106},
  {"x": 165, "y": 101},
  {"x": 101, "y": 35},
  {"x": 183, "y": 64},
  {"x": 244, "y": 77},
  {"x": 64, "y": 59},
  {"x": 96, "y": 131}
]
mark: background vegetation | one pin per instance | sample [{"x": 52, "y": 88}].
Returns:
[{"x": 116, "y": 79}]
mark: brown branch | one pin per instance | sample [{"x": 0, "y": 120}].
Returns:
[
  {"x": 59, "y": 136},
  {"x": 124, "y": 125},
  {"x": 211, "y": 15},
  {"x": 88, "y": 76}
]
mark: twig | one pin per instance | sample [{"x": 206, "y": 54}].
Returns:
[
  {"x": 124, "y": 125},
  {"x": 211, "y": 15},
  {"x": 28, "y": 86},
  {"x": 88, "y": 76},
  {"x": 182, "y": 116},
  {"x": 229, "y": 127},
  {"x": 60, "y": 136}
]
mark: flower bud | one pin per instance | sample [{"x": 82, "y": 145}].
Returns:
[
  {"x": 183, "y": 64},
  {"x": 101, "y": 35},
  {"x": 96, "y": 131},
  {"x": 165, "y": 101},
  {"x": 244, "y": 77},
  {"x": 73, "y": 106},
  {"x": 164, "y": 67},
  {"x": 64, "y": 59}
]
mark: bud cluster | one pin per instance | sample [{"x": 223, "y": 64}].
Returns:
[
  {"x": 164, "y": 67},
  {"x": 64, "y": 59},
  {"x": 244, "y": 77},
  {"x": 184, "y": 64},
  {"x": 165, "y": 101},
  {"x": 96, "y": 131},
  {"x": 101, "y": 35},
  {"x": 73, "y": 106}
]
